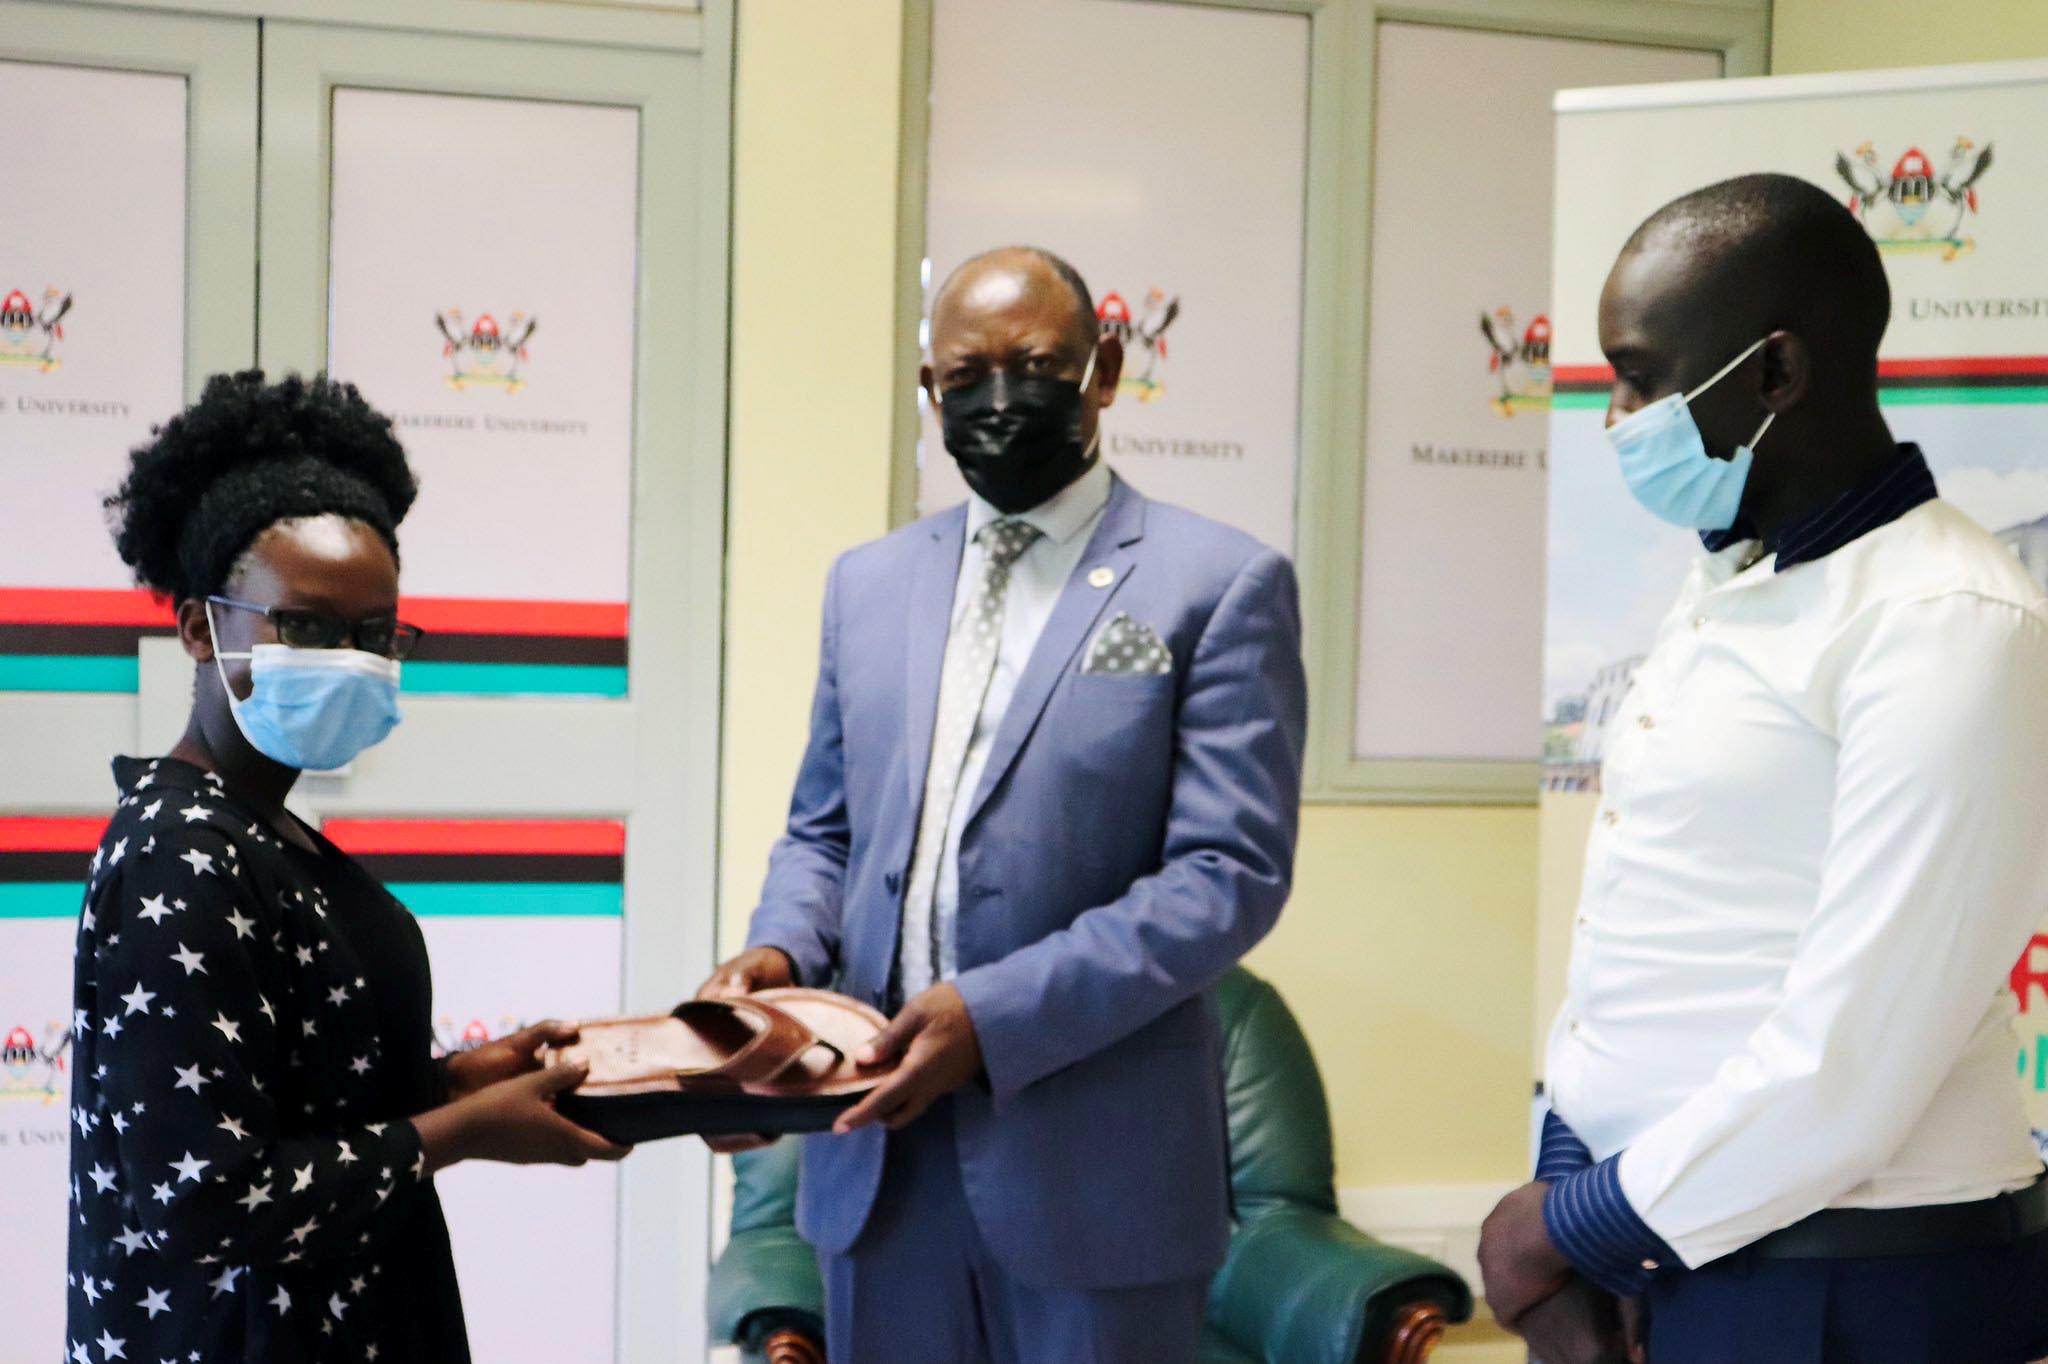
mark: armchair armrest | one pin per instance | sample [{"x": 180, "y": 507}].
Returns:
[
  {"x": 1305, "y": 1286},
  {"x": 765, "y": 1283}
]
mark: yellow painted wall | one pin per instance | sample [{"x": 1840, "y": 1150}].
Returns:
[
  {"x": 815, "y": 118},
  {"x": 1851, "y": 35}
]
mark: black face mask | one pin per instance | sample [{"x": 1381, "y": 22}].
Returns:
[{"x": 1017, "y": 440}]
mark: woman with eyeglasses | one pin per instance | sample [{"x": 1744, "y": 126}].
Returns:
[{"x": 256, "y": 1114}]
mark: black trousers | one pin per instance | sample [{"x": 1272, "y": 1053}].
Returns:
[{"x": 1965, "y": 1307}]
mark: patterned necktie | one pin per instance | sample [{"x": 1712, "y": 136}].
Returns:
[{"x": 971, "y": 649}]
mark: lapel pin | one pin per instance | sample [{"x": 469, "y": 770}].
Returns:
[{"x": 1101, "y": 577}]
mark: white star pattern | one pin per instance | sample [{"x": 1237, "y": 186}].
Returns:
[{"x": 169, "y": 1295}]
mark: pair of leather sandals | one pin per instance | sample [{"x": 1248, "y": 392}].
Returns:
[{"x": 774, "y": 1062}]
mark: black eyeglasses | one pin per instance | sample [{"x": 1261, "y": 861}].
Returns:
[{"x": 304, "y": 629}]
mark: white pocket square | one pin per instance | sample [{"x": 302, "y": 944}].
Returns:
[{"x": 1125, "y": 647}]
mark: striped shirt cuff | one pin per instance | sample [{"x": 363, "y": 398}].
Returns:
[
  {"x": 1561, "y": 1152},
  {"x": 1592, "y": 1225}
]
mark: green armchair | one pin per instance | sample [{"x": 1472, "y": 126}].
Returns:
[{"x": 1299, "y": 1286}]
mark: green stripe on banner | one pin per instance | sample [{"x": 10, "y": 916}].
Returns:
[
  {"x": 519, "y": 899},
  {"x": 512, "y": 679},
  {"x": 115, "y": 673},
  {"x": 67, "y": 672},
  {"x": 1579, "y": 402},
  {"x": 41, "y": 899},
  {"x": 1961, "y": 397},
  {"x": 462, "y": 899}
]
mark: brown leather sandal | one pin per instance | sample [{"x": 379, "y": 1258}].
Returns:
[{"x": 772, "y": 1062}]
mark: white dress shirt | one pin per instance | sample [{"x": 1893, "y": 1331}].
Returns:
[
  {"x": 1819, "y": 851},
  {"x": 1065, "y": 522}
]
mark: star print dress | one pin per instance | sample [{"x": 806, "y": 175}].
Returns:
[{"x": 251, "y": 1032}]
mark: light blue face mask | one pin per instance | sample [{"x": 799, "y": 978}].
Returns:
[
  {"x": 313, "y": 709},
  {"x": 1665, "y": 462}
]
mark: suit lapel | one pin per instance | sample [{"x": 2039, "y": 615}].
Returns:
[
  {"x": 1074, "y": 615},
  {"x": 933, "y": 579}
]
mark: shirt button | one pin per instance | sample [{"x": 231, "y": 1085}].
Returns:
[
  {"x": 1576, "y": 1029},
  {"x": 1646, "y": 722},
  {"x": 1699, "y": 622},
  {"x": 1611, "y": 816}
]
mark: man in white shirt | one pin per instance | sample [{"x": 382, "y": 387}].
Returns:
[
  {"x": 1050, "y": 796},
  {"x": 1785, "y": 1125}
]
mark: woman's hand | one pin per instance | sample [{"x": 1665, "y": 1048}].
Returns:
[
  {"x": 509, "y": 1056},
  {"x": 514, "y": 1121}
]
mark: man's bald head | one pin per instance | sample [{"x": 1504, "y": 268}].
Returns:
[
  {"x": 1022, "y": 268},
  {"x": 1768, "y": 283},
  {"x": 1779, "y": 252}
]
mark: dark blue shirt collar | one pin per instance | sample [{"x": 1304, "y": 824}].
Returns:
[{"x": 1905, "y": 484}]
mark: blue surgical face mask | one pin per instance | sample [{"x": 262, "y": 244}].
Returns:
[
  {"x": 312, "y": 709},
  {"x": 1665, "y": 462}
]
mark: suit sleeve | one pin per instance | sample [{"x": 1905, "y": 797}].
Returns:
[
  {"x": 800, "y": 900},
  {"x": 199, "y": 1024},
  {"x": 1227, "y": 864}
]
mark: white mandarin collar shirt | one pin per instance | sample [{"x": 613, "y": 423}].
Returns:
[
  {"x": 1818, "y": 852},
  {"x": 1065, "y": 522}
]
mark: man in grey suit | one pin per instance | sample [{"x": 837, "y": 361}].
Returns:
[{"x": 1050, "y": 796}]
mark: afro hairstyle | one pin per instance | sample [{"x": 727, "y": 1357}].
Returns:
[{"x": 246, "y": 456}]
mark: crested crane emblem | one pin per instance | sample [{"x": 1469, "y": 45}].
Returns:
[
  {"x": 29, "y": 332},
  {"x": 1915, "y": 206},
  {"x": 34, "y": 1070},
  {"x": 1520, "y": 363},
  {"x": 1142, "y": 333},
  {"x": 483, "y": 354}
]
